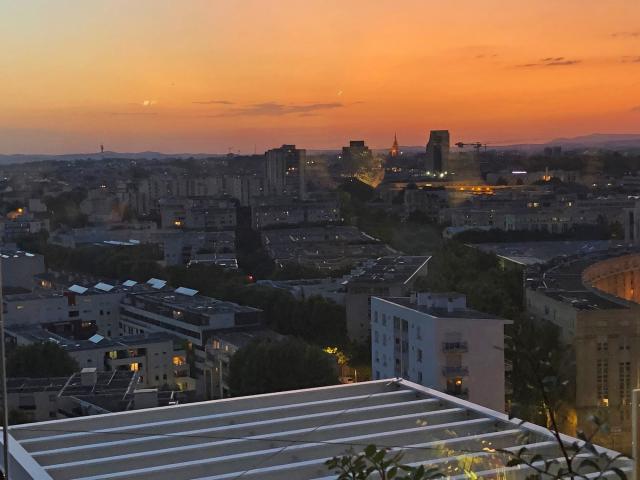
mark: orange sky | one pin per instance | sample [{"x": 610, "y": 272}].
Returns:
[{"x": 203, "y": 76}]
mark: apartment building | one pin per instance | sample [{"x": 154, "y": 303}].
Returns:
[{"x": 437, "y": 341}]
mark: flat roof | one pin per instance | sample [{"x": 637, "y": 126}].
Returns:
[
  {"x": 530, "y": 253},
  {"x": 467, "y": 313},
  {"x": 37, "y": 334},
  {"x": 283, "y": 435},
  {"x": 393, "y": 269}
]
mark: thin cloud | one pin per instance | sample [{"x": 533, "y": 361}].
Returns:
[
  {"x": 213, "y": 102},
  {"x": 635, "y": 109},
  {"x": 631, "y": 59},
  {"x": 275, "y": 109},
  {"x": 133, "y": 113},
  {"x": 633, "y": 34},
  {"x": 551, "y": 62}
]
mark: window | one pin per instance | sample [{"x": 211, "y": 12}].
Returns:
[
  {"x": 375, "y": 317},
  {"x": 134, "y": 367},
  {"x": 602, "y": 346},
  {"x": 384, "y": 320},
  {"x": 624, "y": 343},
  {"x": 418, "y": 333},
  {"x": 384, "y": 339},
  {"x": 376, "y": 336},
  {"x": 602, "y": 381},
  {"x": 624, "y": 379},
  {"x": 419, "y": 355},
  {"x": 419, "y": 377}
]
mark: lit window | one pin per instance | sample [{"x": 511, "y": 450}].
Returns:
[{"x": 134, "y": 367}]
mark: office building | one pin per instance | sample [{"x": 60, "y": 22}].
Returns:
[
  {"x": 435, "y": 340},
  {"x": 185, "y": 314},
  {"x": 355, "y": 157},
  {"x": 437, "y": 159},
  {"x": 285, "y": 171}
]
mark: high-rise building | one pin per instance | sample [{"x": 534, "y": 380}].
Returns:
[
  {"x": 284, "y": 171},
  {"x": 438, "y": 151},
  {"x": 356, "y": 156},
  {"x": 395, "y": 149}
]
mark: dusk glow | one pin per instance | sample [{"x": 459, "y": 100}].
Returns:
[{"x": 206, "y": 76}]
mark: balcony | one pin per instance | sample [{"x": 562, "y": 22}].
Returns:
[
  {"x": 449, "y": 371},
  {"x": 460, "y": 393},
  {"x": 455, "y": 347}
]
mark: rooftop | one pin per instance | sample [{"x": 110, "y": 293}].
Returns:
[
  {"x": 282, "y": 435},
  {"x": 36, "y": 334},
  {"x": 393, "y": 269},
  {"x": 437, "y": 312},
  {"x": 195, "y": 303},
  {"x": 530, "y": 253},
  {"x": 562, "y": 280}
]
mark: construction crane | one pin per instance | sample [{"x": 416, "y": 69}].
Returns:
[{"x": 476, "y": 145}]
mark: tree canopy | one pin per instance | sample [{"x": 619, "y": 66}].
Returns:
[
  {"x": 273, "y": 366},
  {"x": 40, "y": 360}
]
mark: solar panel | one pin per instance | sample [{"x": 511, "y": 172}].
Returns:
[
  {"x": 77, "y": 289},
  {"x": 105, "y": 287},
  {"x": 96, "y": 338},
  {"x": 129, "y": 283},
  {"x": 186, "y": 291}
]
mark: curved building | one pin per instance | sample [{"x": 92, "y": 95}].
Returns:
[{"x": 595, "y": 300}]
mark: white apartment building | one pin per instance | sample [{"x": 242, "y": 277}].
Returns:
[{"x": 435, "y": 340}]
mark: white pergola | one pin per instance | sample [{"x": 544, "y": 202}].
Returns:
[{"x": 286, "y": 435}]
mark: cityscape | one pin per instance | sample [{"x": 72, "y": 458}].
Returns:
[{"x": 221, "y": 260}]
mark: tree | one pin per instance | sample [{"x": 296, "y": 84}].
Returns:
[
  {"x": 40, "y": 360},
  {"x": 273, "y": 366},
  {"x": 378, "y": 463}
]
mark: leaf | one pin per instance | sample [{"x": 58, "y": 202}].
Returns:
[
  {"x": 370, "y": 450},
  {"x": 621, "y": 475},
  {"x": 587, "y": 462}
]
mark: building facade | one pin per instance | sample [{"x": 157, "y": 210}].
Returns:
[{"x": 436, "y": 341}]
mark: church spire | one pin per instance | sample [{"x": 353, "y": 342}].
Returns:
[{"x": 395, "y": 149}]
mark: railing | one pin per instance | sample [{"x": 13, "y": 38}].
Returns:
[
  {"x": 464, "y": 393},
  {"x": 455, "y": 347},
  {"x": 449, "y": 371}
]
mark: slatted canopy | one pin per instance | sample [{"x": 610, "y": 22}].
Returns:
[{"x": 283, "y": 435}]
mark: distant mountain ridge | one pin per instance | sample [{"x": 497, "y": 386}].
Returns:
[{"x": 607, "y": 141}]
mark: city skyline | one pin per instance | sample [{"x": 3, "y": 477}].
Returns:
[{"x": 206, "y": 77}]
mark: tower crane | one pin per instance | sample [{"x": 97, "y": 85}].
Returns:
[{"x": 476, "y": 145}]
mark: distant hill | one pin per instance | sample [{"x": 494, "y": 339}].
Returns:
[
  {"x": 25, "y": 158},
  {"x": 605, "y": 141}
]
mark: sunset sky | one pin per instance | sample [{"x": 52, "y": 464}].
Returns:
[{"x": 204, "y": 76}]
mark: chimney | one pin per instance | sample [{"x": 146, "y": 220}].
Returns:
[{"x": 89, "y": 376}]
